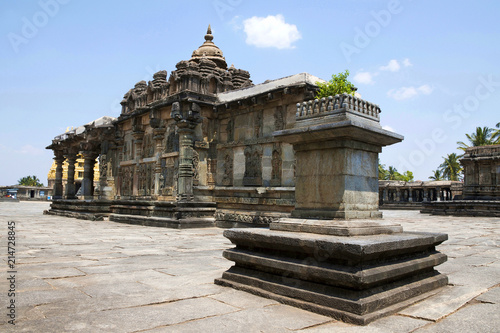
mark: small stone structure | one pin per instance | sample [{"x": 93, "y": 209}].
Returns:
[
  {"x": 395, "y": 194},
  {"x": 21, "y": 192},
  {"x": 481, "y": 191},
  {"x": 335, "y": 256}
]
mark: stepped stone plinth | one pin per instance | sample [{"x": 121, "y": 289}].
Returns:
[{"x": 335, "y": 255}]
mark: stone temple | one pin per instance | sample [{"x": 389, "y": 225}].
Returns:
[{"x": 207, "y": 147}]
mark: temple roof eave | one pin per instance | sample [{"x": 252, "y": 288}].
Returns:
[{"x": 301, "y": 79}]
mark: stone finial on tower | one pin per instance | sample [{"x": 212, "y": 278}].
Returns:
[
  {"x": 208, "y": 50},
  {"x": 209, "y": 36}
]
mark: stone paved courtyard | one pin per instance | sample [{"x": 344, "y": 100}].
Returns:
[{"x": 83, "y": 276}]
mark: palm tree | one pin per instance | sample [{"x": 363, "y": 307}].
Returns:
[
  {"x": 495, "y": 137},
  {"x": 392, "y": 173},
  {"x": 382, "y": 172},
  {"x": 29, "y": 181},
  {"x": 482, "y": 137},
  {"x": 436, "y": 175},
  {"x": 451, "y": 168}
]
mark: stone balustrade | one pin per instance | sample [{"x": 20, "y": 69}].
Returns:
[{"x": 345, "y": 102}]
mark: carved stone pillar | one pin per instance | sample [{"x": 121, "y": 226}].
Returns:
[
  {"x": 159, "y": 135},
  {"x": 438, "y": 193},
  {"x": 186, "y": 122},
  {"x": 385, "y": 197},
  {"x": 410, "y": 195},
  {"x": 106, "y": 177},
  {"x": 138, "y": 135},
  {"x": 88, "y": 174},
  {"x": 70, "y": 189},
  {"x": 58, "y": 187}
]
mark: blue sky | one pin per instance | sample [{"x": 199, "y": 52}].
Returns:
[{"x": 432, "y": 66}]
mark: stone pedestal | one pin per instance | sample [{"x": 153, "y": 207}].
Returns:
[{"x": 335, "y": 256}]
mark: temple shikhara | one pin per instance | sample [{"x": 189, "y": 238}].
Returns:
[{"x": 205, "y": 147}]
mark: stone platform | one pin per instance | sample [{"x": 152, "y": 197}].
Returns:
[
  {"x": 353, "y": 279},
  {"x": 102, "y": 276},
  {"x": 463, "y": 208},
  {"x": 94, "y": 210}
]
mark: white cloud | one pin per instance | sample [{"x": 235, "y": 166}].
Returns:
[
  {"x": 425, "y": 89},
  {"x": 409, "y": 92},
  {"x": 392, "y": 66},
  {"x": 30, "y": 150},
  {"x": 235, "y": 23},
  {"x": 364, "y": 78},
  {"x": 271, "y": 31},
  {"x": 407, "y": 63}
]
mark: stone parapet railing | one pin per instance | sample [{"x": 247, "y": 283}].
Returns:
[{"x": 331, "y": 104}]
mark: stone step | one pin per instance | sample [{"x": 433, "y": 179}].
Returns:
[
  {"x": 356, "y": 277},
  {"x": 346, "y": 305}
]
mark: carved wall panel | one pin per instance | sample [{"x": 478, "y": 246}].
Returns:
[
  {"x": 172, "y": 140},
  {"x": 146, "y": 179},
  {"x": 227, "y": 176},
  {"x": 230, "y": 130},
  {"x": 279, "y": 118},
  {"x": 127, "y": 178},
  {"x": 253, "y": 166},
  {"x": 258, "y": 124},
  {"x": 168, "y": 176},
  {"x": 276, "y": 163},
  {"x": 148, "y": 148}
]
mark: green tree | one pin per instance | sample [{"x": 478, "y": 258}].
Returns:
[
  {"x": 337, "y": 85},
  {"x": 406, "y": 176},
  {"x": 451, "y": 168},
  {"x": 29, "y": 181},
  {"x": 482, "y": 137},
  {"x": 392, "y": 173},
  {"x": 436, "y": 175},
  {"x": 382, "y": 172}
]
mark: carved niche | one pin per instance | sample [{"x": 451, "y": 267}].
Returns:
[
  {"x": 258, "y": 124},
  {"x": 127, "y": 177},
  {"x": 253, "y": 166},
  {"x": 227, "y": 176},
  {"x": 279, "y": 118},
  {"x": 172, "y": 140},
  {"x": 103, "y": 166},
  {"x": 148, "y": 148},
  {"x": 146, "y": 179},
  {"x": 230, "y": 130},
  {"x": 276, "y": 163},
  {"x": 167, "y": 177}
]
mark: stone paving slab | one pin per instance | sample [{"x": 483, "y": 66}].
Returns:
[{"x": 102, "y": 276}]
